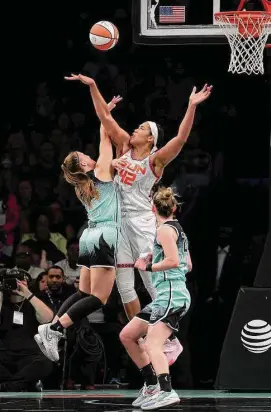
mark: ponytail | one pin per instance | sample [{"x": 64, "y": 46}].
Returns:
[
  {"x": 83, "y": 184},
  {"x": 165, "y": 201}
]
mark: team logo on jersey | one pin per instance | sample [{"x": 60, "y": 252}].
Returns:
[{"x": 130, "y": 171}]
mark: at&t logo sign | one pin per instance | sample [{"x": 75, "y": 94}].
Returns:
[{"x": 256, "y": 336}]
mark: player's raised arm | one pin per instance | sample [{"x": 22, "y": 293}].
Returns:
[
  {"x": 171, "y": 150},
  {"x": 104, "y": 169},
  {"x": 119, "y": 136}
]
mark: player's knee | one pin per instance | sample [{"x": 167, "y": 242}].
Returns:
[
  {"x": 128, "y": 296},
  {"x": 125, "y": 337},
  {"x": 126, "y": 290},
  {"x": 148, "y": 344},
  {"x": 103, "y": 298}
]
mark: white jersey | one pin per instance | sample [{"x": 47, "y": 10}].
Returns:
[{"x": 135, "y": 183}]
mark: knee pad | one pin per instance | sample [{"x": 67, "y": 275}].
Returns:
[
  {"x": 71, "y": 301},
  {"x": 125, "y": 279},
  {"x": 84, "y": 307}
]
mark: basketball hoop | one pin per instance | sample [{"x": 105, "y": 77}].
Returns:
[{"x": 247, "y": 33}]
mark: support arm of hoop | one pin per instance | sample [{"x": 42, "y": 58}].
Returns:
[{"x": 266, "y": 5}]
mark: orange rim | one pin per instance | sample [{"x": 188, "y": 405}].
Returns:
[{"x": 247, "y": 18}]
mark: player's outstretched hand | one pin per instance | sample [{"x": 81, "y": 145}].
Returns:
[
  {"x": 118, "y": 164},
  {"x": 114, "y": 102},
  {"x": 79, "y": 77},
  {"x": 197, "y": 98}
]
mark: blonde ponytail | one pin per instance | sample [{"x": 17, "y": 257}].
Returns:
[{"x": 84, "y": 187}]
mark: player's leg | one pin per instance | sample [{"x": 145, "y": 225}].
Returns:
[
  {"x": 102, "y": 260},
  {"x": 157, "y": 335},
  {"x": 160, "y": 328},
  {"x": 129, "y": 336},
  {"x": 125, "y": 272},
  {"x": 101, "y": 283},
  {"x": 84, "y": 282},
  {"x": 83, "y": 292}
]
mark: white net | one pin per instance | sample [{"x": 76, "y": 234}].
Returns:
[{"x": 247, "y": 34}]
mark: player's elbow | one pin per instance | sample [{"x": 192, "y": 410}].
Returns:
[{"x": 174, "y": 262}]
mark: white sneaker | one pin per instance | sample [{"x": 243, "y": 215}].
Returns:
[
  {"x": 160, "y": 400},
  {"x": 50, "y": 339},
  {"x": 40, "y": 344},
  {"x": 172, "y": 349},
  {"x": 145, "y": 393}
]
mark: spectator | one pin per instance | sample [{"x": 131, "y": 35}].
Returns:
[
  {"x": 44, "y": 103},
  {"x": 36, "y": 139},
  {"x": 44, "y": 189},
  {"x": 22, "y": 364},
  {"x": 69, "y": 265},
  {"x": 18, "y": 153},
  {"x": 59, "y": 221},
  {"x": 23, "y": 261},
  {"x": 7, "y": 177},
  {"x": 40, "y": 284},
  {"x": 58, "y": 291},
  {"x": 54, "y": 244},
  {"x": 9, "y": 221},
  {"x": 27, "y": 204},
  {"x": 47, "y": 166}
]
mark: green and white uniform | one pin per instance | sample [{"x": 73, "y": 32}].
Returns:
[
  {"x": 172, "y": 296},
  {"x": 98, "y": 243}
]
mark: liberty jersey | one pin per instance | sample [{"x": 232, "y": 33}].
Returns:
[
  {"x": 174, "y": 274},
  {"x": 172, "y": 299},
  {"x": 106, "y": 209},
  {"x": 98, "y": 243},
  {"x": 135, "y": 183}
]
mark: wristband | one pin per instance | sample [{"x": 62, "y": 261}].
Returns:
[
  {"x": 149, "y": 267},
  {"x": 30, "y": 297}
]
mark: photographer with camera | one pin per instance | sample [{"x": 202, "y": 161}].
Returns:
[{"x": 22, "y": 364}]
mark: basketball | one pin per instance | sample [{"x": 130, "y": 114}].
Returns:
[{"x": 104, "y": 35}]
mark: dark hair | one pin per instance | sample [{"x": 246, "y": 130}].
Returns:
[
  {"x": 56, "y": 267},
  {"x": 35, "y": 284},
  {"x": 32, "y": 245},
  {"x": 161, "y": 136},
  {"x": 164, "y": 201},
  {"x": 73, "y": 174},
  {"x": 40, "y": 276}
]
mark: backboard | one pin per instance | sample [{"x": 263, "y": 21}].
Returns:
[{"x": 182, "y": 21}]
